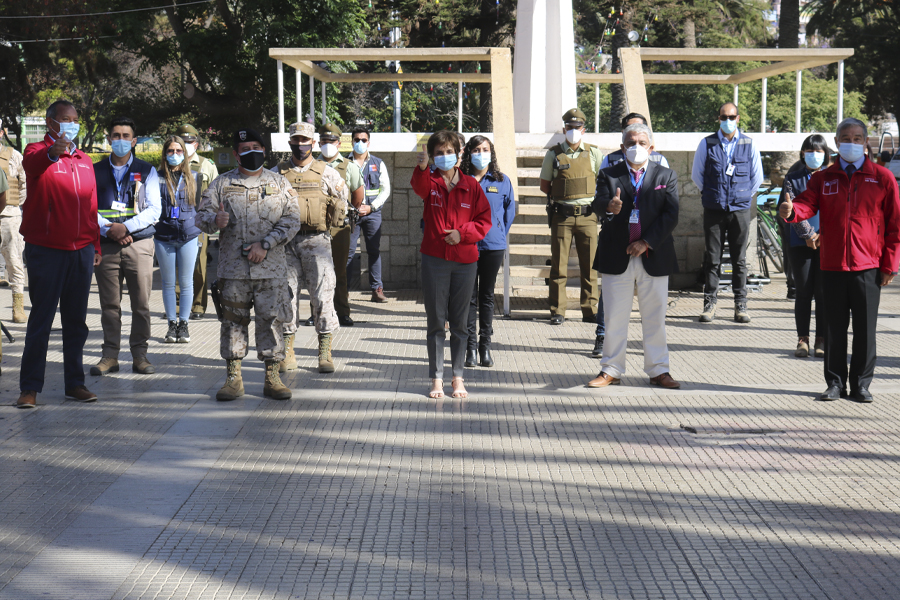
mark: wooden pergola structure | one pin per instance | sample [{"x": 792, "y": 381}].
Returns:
[{"x": 781, "y": 61}]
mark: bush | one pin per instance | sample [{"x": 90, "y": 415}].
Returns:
[{"x": 150, "y": 157}]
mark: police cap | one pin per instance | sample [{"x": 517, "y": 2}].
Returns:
[
  {"x": 330, "y": 130},
  {"x": 247, "y": 135},
  {"x": 187, "y": 132},
  {"x": 304, "y": 129},
  {"x": 574, "y": 115}
]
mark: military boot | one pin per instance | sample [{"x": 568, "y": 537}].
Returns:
[
  {"x": 273, "y": 387},
  {"x": 234, "y": 385},
  {"x": 326, "y": 362},
  {"x": 290, "y": 359},
  {"x": 19, "y": 308}
]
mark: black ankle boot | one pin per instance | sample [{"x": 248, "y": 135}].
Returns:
[
  {"x": 486, "y": 359},
  {"x": 471, "y": 358}
]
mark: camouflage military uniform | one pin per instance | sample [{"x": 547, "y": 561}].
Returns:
[
  {"x": 309, "y": 260},
  {"x": 262, "y": 207}
]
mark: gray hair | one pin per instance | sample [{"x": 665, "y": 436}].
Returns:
[
  {"x": 638, "y": 128},
  {"x": 54, "y": 108},
  {"x": 851, "y": 122}
]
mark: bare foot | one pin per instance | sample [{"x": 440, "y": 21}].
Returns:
[
  {"x": 437, "y": 389},
  {"x": 459, "y": 390}
]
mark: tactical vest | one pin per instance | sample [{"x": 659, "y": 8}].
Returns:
[
  {"x": 721, "y": 191},
  {"x": 341, "y": 167},
  {"x": 108, "y": 192},
  {"x": 614, "y": 158},
  {"x": 575, "y": 178},
  {"x": 12, "y": 194},
  {"x": 371, "y": 178},
  {"x": 316, "y": 209}
]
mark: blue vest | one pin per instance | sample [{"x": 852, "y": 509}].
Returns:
[
  {"x": 371, "y": 178},
  {"x": 721, "y": 191},
  {"x": 183, "y": 227},
  {"x": 108, "y": 192}
]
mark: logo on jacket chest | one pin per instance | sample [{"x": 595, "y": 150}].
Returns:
[{"x": 829, "y": 188}]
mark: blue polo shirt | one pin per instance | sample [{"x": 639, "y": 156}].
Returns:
[{"x": 503, "y": 210}]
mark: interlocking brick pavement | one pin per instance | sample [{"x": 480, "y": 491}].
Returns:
[{"x": 739, "y": 485}]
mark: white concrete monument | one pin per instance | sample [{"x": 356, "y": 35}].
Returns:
[{"x": 544, "y": 69}]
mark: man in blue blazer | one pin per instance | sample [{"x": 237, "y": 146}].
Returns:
[{"x": 640, "y": 200}]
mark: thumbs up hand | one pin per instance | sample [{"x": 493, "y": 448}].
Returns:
[
  {"x": 222, "y": 216},
  {"x": 787, "y": 207},
  {"x": 615, "y": 205},
  {"x": 422, "y": 158}
]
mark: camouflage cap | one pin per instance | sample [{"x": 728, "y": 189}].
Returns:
[
  {"x": 304, "y": 129},
  {"x": 330, "y": 130},
  {"x": 572, "y": 115},
  {"x": 187, "y": 131}
]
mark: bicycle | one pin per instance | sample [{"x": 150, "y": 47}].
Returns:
[{"x": 768, "y": 233}]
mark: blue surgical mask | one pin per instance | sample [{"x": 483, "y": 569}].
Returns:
[
  {"x": 851, "y": 152},
  {"x": 728, "y": 126},
  {"x": 70, "y": 130},
  {"x": 481, "y": 160},
  {"x": 174, "y": 159},
  {"x": 814, "y": 160},
  {"x": 121, "y": 148},
  {"x": 360, "y": 147},
  {"x": 445, "y": 162}
]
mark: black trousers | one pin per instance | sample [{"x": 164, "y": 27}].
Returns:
[
  {"x": 785, "y": 230},
  {"x": 857, "y": 293},
  {"x": 56, "y": 278},
  {"x": 719, "y": 225},
  {"x": 482, "y": 304},
  {"x": 808, "y": 284}
]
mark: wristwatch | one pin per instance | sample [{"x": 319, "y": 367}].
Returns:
[{"x": 266, "y": 245}]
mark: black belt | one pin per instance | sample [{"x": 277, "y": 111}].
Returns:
[
  {"x": 305, "y": 230},
  {"x": 570, "y": 210}
]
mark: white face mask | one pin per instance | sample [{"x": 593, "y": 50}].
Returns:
[
  {"x": 329, "y": 150},
  {"x": 190, "y": 149},
  {"x": 573, "y": 136},
  {"x": 637, "y": 154}
]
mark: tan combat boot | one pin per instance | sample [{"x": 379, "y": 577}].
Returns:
[
  {"x": 19, "y": 308},
  {"x": 273, "y": 387},
  {"x": 290, "y": 360},
  {"x": 234, "y": 385},
  {"x": 326, "y": 362}
]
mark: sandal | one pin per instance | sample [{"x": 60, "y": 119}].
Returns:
[
  {"x": 461, "y": 392},
  {"x": 437, "y": 389}
]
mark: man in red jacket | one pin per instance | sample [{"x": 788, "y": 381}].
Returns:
[
  {"x": 62, "y": 245},
  {"x": 859, "y": 219}
]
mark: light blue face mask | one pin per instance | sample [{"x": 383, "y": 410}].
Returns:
[
  {"x": 360, "y": 147},
  {"x": 851, "y": 152},
  {"x": 175, "y": 159},
  {"x": 728, "y": 126},
  {"x": 70, "y": 130},
  {"x": 121, "y": 148},
  {"x": 445, "y": 162},
  {"x": 481, "y": 160},
  {"x": 814, "y": 160}
]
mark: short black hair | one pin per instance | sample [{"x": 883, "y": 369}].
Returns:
[
  {"x": 443, "y": 138},
  {"x": 361, "y": 130},
  {"x": 738, "y": 112},
  {"x": 123, "y": 122},
  {"x": 631, "y": 116},
  {"x": 54, "y": 108}
]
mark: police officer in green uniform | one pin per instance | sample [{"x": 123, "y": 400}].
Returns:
[{"x": 569, "y": 177}]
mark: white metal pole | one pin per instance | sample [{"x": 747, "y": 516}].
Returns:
[
  {"x": 596, "y": 107},
  {"x": 299, "y": 96},
  {"x": 762, "y": 119},
  {"x": 840, "y": 114},
  {"x": 797, "y": 101},
  {"x": 735, "y": 94},
  {"x": 280, "y": 96},
  {"x": 324, "y": 105},
  {"x": 312, "y": 99},
  {"x": 459, "y": 93}
]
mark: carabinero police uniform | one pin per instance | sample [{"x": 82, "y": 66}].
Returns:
[
  {"x": 262, "y": 208},
  {"x": 12, "y": 244}
]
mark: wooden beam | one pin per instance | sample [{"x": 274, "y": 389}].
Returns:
[
  {"x": 830, "y": 55},
  {"x": 633, "y": 76},
  {"x": 653, "y": 78},
  {"x": 772, "y": 70},
  {"x": 380, "y": 54},
  {"x": 308, "y": 68},
  {"x": 428, "y": 77}
]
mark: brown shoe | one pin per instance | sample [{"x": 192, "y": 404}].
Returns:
[
  {"x": 665, "y": 380},
  {"x": 81, "y": 394},
  {"x": 28, "y": 399},
  {"x": 106, "y": 366},
  {"x": 143, "y": 366},
  {"x": 378, "y": 296},
  {"x": 603, "y": 380}
]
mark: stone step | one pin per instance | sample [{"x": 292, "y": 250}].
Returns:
[
  {"x": 530, "y": 249},
  {"x": 531, "y": 192},
  {"x": 532, "y": 209},
  {"x": 526, "y": 229},
  {"x": 539, "y": 272}
]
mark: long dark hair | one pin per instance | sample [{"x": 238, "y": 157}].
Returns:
[{"x": 466, "y": 164}]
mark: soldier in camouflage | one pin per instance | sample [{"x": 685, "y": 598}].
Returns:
[
  {"x": 257, "y": 213},
  {"x": 322, "y": 197}
]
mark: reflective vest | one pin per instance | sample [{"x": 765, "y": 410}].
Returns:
[
  {"x": 308, "y": 185},
  {"x": 131, "y": 192},
  {"x": 371, "y": 172},
  {"x": 721, "y": 191},
  {"x": 575, "y": 178},
  {"x": 12, "y": 194}
]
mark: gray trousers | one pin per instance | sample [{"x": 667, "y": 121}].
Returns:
[{"x": 447, "y": 290}]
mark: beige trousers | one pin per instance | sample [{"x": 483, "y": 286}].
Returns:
[{"x": 133, "y": 265}]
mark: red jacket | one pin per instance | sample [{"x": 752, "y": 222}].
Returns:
[
  {"x": 859, "y": 219},
  {"x": 465, "y": 209},
  {"x": 61, "y": 211}
]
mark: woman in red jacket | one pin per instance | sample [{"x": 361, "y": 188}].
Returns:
[{"x": 457, "y": 216}]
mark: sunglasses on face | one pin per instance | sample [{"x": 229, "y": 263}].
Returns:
[
  {"x": 727, "y": 117},
  {"x": 363, "y": 140}
]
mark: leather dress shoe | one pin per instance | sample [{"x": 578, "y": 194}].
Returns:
[
  {"x": 486, "y": 359},
  {"x": 80, "y": 393},
  {"x": 589, "y": 318},
  {"x": 557, "y": 319},
  {"x": 598, "y": 347},
  {"x": 862, "y": 395},
  {"x": 310, "y": 321},
  {"x": 196, "y": 316},
  {"x": 665, "y": 380},
  {"x": 603, "y": 380},
  {"x": 28, "y": 399},
  {"x": 471, "y": 358},
  {"x": 832, "y": 393},
  {"x": 345, "y": 321}
]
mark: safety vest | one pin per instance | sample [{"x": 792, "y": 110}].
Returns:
[
  {"x": 371, "y": 172},
  {"x": 129, "y": 193},
  {"x": 12, "y": 194},
  {"x": 720, "y": 190},
  {"x": 575, "y": 177},
  {"x": 308, "y": 185}
]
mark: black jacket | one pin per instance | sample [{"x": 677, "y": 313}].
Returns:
[{"x": 658, "y": 204}]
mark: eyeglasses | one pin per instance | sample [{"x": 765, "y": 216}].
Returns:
[{"x": 728, "y": 117}]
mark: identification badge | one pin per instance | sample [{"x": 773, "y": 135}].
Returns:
[
  {"x": 119, "y": 206},
  {"x": 175, "y": 212},
  {"x": 271, "y": 189},
  {"x": 493, "y": 189},
  {"x": 730, "y": 170},
  {"x": 635, "y": 216}
]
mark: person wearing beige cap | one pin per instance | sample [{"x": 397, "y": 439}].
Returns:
[
  {"x": 568, "y": 177},
  {"x": 322, "y": 196},
  {"x": 208, "y": 172}
]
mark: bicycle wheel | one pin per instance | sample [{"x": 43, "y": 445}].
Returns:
[
  {"x": 772, "y": 248},
  {"x": 761, "y": 252}
]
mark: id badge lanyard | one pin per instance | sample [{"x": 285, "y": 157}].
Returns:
[
  {"x": 175, "y": 211},
  {"x": 636, "y": 212}
]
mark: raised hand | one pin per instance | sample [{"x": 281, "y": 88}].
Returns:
[
  {"x": 787, "y": 207},
  {"x": 222, "y": 216},
  {"x": 422, "y": 157},
  {"x": 615, "y": 205},
  {"x": 60, "y": 146}
]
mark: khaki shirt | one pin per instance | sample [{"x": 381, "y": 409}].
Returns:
[
  {"x": 16, "y": 170},
  {"x": 354, "y": 176},
  {"x": 208, "y": 170},
  {"x": 548, "y": 173},
  {"x": 262, "y": 207}
]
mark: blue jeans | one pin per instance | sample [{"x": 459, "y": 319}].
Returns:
[
  {"x": 601, "y": 323},
  {"x": 180, "y": 255},
  {"x": 370, "y": 226}
]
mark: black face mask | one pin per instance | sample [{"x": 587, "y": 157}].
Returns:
[
  {"x": 301, "y": 151},
  {"x": 252, "y": 160}
]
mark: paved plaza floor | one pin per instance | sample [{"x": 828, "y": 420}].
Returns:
[{"x": 737, "y": 486}]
